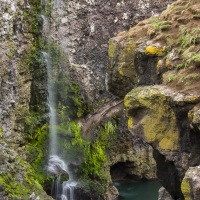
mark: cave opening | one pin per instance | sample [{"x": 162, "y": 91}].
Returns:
[
  {"x": 132, "y": 186},
  {"x": 123, "y": 171}
]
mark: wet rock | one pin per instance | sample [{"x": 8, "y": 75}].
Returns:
[
  {"x": 190, "y": 185},
  {"x": 194, "y": 117},
  {"x": 164, "y": 195}
]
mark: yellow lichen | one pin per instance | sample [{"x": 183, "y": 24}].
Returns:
[
  {"x": 159, "y": 127},
  {"x": 156, "y": 51},
  {"x": 167, "y": 64},
  {"x": 185, "y": 188},
  {"x": 159, "y": 64},
  {"x": 159, "y": 121},
  {"x": 126, "y": 57},
  {"x": 130, "y": 122},
  {"x": 169, "y": 143},
  {"x": 111, "y": 49},
  {"x": 192, "y": 99}
]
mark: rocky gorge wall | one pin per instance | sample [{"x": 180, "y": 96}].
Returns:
[
  {"x": 18, "y": 31},
  {"x": 80, "y": 29},
  {"x": 156, "y": 66}
]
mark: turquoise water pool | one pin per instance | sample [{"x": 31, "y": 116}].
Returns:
[{"x": 140, "y": 190}]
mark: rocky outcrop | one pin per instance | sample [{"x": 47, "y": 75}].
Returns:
[
  {"x": 191, "y": 183},
  {"x": 82, "y": 29},
  {"x": 164, "y": 195},
  {"x": 154, "y": 113},
  {"x": 127, "y": 156},
  {"x": 159, "y": 60},
  {"x": 17, "y": 177}
]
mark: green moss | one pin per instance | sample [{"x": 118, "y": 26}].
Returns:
[
  {"x": 36, "y": 151},
  {"x": 92, "y": 153},
  {"x": 13, "y": 188},
  {"x": 24, "y": 187},
  {"x": 69, "y": 98},
  {"x": 1, "y": 131}
]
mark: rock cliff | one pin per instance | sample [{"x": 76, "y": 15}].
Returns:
[
  {"x": 156, "y": 66},
  {"x": 18, "y": 179}
]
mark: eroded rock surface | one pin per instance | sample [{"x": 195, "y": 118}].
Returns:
[
  {"x": 156, "y": 60},
  {"x": 17, "y": 177},
  {"x": 83, "y": 28},
  {"x": 191, "y": 183}
]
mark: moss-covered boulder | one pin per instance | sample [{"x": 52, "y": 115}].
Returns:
[
  {"x": 158, "y": 115},
  {"x": 132, "y": 62},
  {"x": 18, "y": 179},
  {"x": 152, "y": 117},
  {"x": 190, "y": 185}
]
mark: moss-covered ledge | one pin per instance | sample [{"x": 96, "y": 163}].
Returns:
[{"x": 152, "y": 117}]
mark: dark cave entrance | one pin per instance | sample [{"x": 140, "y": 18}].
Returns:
[
  {"x": 123, "y": 171},
  {"x": 130, "y": 185}
]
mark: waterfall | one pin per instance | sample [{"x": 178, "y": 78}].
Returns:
[
  {"x": 57, "y": 164},
  {"x": 68, "y": 190},
  {"x": 51, "y": 104}
]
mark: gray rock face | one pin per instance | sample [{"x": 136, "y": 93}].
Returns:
[
  {"x": 83, "y": 28},
  {"x": 164, "y": 195},
  {"x": 191, "y": 183},
  {"x": 14, "y": 77},
  {"x": 16, "y": 39}
]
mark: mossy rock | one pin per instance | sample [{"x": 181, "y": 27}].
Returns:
[
  {"x": 20, "y": 181},
  {"x": 149, "y": 109},
  {"x": 190, "y": 185}
]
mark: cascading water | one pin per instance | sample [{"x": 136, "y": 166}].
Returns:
[{"x": 57, "y": 165}]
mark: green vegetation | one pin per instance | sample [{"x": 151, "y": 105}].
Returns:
[
  {"x": 69, "y": 98},
  {"x": 92, "y": 154},
  {"x": 158, "y": 24},
  {"x": 95, "y": 154},
  {"x": 16, "y": 187},
  {"x": 188, "y": 37},
  {"x": 171, "y": 77},
  {"x": 94, "y": 159},
  {"x": 195, "y": 57}
]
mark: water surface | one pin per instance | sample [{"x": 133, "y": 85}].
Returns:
[{"x": 142, "y": 190}]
